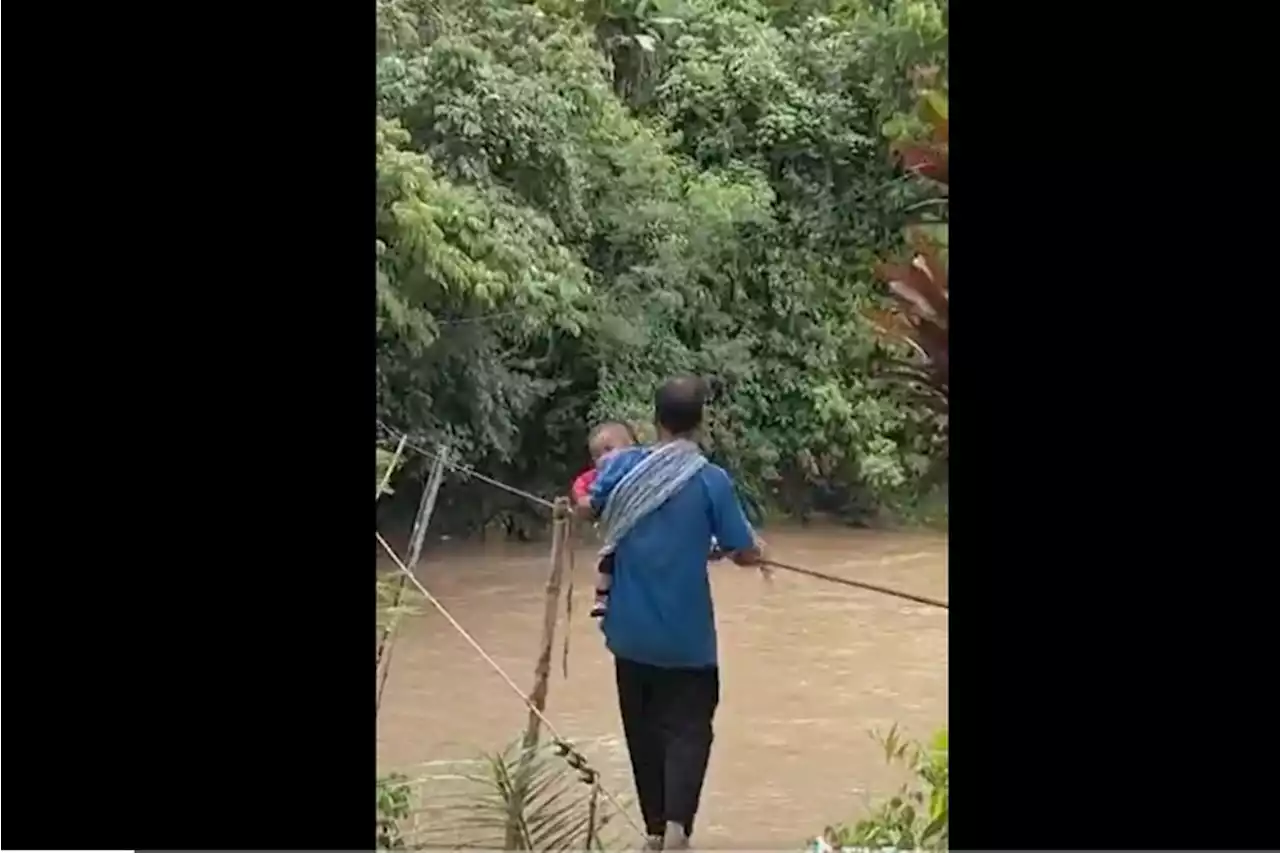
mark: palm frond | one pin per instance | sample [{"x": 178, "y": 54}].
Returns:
[{"x": 535, "y": 795}]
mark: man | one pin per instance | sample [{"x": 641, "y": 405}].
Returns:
[{"x": 660, "y": 508}]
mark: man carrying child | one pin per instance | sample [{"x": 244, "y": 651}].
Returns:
[{"x": 660, "y": 507}]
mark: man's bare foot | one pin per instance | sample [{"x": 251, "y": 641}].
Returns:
[{"x": 675, "y": 838}]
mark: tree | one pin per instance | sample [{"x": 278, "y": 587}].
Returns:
[{"x": 560, "y": 230}]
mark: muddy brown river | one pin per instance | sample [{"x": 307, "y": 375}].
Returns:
[{"x": 808, "y": 670}]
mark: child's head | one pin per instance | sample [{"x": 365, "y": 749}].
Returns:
[{"x": 608, "y": 437}]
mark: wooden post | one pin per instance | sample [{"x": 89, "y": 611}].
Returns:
[{"x": 542, "y": 670}]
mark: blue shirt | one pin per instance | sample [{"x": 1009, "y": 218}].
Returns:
[{"x": 660, "y": 610}]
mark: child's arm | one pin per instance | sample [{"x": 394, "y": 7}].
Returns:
[
  {"x": 581, "y": 493},
  {"x": 581, "y": 487}
]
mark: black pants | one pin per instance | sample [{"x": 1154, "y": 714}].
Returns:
[{"x": 666, "y": 716}]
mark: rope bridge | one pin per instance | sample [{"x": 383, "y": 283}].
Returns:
[
  {"x": 587, "y": 774},
  {"x": 468, "y": 471}
]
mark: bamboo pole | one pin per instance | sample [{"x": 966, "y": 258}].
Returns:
[
  {"x": 550, "y": 612},
  {"x": 542, "y": 670},
  {"x": 391, "y": 468},
  {"x": 386, "y": 643},
  {"x": 382, "y": 489},
  {"x": 570, "y": 544}
]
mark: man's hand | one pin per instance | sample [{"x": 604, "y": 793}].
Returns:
[{"x": 752, "y": 554}]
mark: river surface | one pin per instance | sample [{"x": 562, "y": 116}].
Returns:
[{"x": 808, "y": 669}]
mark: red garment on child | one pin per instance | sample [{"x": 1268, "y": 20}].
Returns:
[{"x": 582, "y": 485}]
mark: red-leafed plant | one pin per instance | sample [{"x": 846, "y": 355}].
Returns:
[{"x": 918, "y": 281}]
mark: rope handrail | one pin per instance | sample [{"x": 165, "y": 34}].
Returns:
[
  {"x": 468, "y": 471},
  {"x": 562, "y": 745},
  {"x": 814, "y": 573}
]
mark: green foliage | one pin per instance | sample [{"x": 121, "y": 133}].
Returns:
[
  {"x": 393, "y": 807},
  {"x": 388, "y": 610},
  {"x": 928, "y": 508},
  {"x": 915, "y": 818},
  {"x": 580, "y": 198},
  {"x": 541, "y": 798}
]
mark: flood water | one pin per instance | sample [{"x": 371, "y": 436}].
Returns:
[{"x": 808, "y": 669}]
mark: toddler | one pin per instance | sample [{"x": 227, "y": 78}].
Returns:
[{"x": 601, "y": 442}]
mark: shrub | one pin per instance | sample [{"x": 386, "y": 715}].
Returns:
[
  {"x": 393, "y": 807},
  {"x": 915, "y": 818}
]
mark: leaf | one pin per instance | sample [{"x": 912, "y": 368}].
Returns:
[
  {"x": 939, "y": 741},
  {"x": 891, "y": 324},
  {"x": 927, "y": 243},
  {"x": 933, "y": 109},
  {"x": 923, "y": 158},
  {"x": 646, "y": 41},
  {"x": 913, "y": 283},
  {"x": 549, "y": 803},
  {"x": 934, "y": 827}
]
